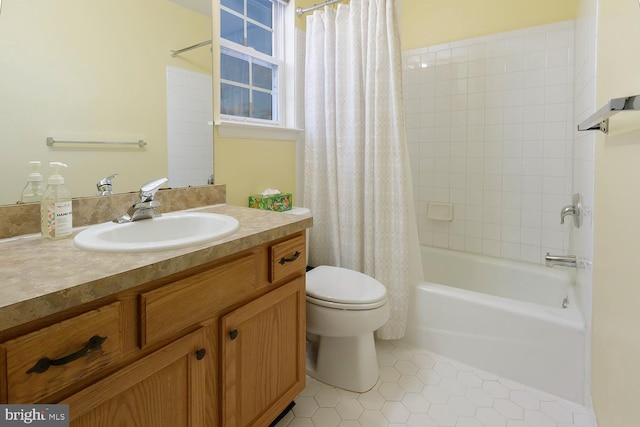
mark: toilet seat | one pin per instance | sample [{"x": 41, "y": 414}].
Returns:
[
  {"x": 344, "y": 289},
  {"x": 343, "y": 306}
]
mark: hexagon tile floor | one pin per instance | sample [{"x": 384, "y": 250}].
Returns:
[{"x": 418, "y": 388}]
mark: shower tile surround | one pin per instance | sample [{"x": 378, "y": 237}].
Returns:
[
  {"x": 418, "y": 388},
  {"x": 189, "y": 109},
  {"x": 489, "y": 128}
]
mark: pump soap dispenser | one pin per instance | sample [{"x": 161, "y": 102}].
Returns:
[
  {"x": 32, "y": 192},
  {"x": 55, "y": 207}
]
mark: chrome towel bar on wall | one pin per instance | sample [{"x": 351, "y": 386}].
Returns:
[
  {"x": 51, "y": 141},
  {"x": 600, "y": 119}
]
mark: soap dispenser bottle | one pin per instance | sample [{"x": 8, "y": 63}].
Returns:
[
  {"x": 55, "y": 207},
  {"x": 32, "y": 192}
]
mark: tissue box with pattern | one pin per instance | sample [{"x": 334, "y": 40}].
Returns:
[{"x": 272, "y": 202}]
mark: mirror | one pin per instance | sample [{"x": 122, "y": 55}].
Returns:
[{"x": 78, "y": 70}]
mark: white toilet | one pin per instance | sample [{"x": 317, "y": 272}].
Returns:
[{"x": 344, "y": 308}]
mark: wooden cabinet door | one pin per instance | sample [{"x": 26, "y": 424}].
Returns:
[
  {"x": 165, "y": 388},
  {"x": 263, "y": 356}
]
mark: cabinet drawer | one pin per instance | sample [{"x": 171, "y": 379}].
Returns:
[
  {"x": 286, "y": 258},
  {"x": 190, "y": 301},
  {"x": 47, "y": 360}
]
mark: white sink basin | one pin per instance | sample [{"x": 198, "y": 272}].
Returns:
[{"x": 169, "y": 231}]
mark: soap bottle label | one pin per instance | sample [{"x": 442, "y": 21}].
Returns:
[{"x": 58, "y": 220}]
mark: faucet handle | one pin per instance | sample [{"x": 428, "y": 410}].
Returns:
[
  {"x": 575, "y": 209},
  {"x": 104, "y": 185},
  {"x": 148, "y": 190},
  {"x": 107, "y": 180}
]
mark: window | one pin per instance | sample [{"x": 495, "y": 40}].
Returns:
[{"x": 252, "y": 63}]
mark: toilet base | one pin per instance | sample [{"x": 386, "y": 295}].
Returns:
[{"x": 349, "y": 363}]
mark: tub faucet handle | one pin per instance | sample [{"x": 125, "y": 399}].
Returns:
[
  {"x": 567, "y": 210},
  {"x": 575, "y": 210}
]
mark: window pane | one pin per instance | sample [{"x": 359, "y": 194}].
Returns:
[
  {"x": 261, "y": 11},
  {"x": 234, "y": 100},
  {"x": 263, "y": 77},
  {"x": 262, "y": 106},
  {"x": 231, "y": 27},
  {"x": 234, "y": 69},
  {"x": 236, "y": 5},
  {"x": 259, "y": 39}
]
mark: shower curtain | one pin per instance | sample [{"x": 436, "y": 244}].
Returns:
[{"x": 357, "y": 176}]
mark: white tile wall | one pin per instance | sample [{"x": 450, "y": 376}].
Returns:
[
  {"x": 190, "y": 137},
  {"x": 489, "y": 128}
]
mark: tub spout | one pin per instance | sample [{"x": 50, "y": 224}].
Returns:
[{"x": 560, "y": 260}]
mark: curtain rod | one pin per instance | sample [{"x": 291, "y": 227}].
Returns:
[
  {"x": 300, "y": 11},
  {"x": 179, "y": 51}
]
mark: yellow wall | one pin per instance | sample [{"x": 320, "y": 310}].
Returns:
[
  {"x": 301, "y": 21},
  {"x": 429, "y": 22},
  {"x": 55, "y": 59},
  {"x": 616, "y": 270},
  {"x": 250, "y": 166}
]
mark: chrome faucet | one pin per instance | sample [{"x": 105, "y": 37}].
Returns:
[
  {"x": 104, "y": 186},
  {"x": 145, "y": 206},
  {"x": 560, "y": 260}
]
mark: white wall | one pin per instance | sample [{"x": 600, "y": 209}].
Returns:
[
  {"x": 616, "y": 293},
  {"x": 489, "y": 128}
]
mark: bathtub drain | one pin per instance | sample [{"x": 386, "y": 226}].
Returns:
[{"x": 565, "y": 302}]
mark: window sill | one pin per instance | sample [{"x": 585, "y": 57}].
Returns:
[{"x": 256, "y": 131}]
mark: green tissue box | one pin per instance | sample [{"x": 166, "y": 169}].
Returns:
[{"x": 273, "y": 202}]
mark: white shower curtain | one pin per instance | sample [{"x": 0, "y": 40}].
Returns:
[{"x": 357, "y": 177}]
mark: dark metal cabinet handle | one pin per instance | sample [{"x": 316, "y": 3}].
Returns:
[
  {"x": 201, "y": 353},
  {"x": 233, "y": 334},
  {"x": 45, "y": 363},
  {"x": 295, "y": 256}
]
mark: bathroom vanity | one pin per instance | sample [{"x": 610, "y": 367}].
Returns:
[{"x": 210, "y": 335}]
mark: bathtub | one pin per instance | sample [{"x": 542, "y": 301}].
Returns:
[{"x": 501, "y": 316}]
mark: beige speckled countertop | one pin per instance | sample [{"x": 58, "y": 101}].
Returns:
[{"x": 42, "y": 277}]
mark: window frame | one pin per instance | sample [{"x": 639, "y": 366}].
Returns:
[
  {"x": 229, "y": 48},
  {"x": 283, "y": 50}
]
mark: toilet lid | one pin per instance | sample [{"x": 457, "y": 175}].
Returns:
[{"x": 340, "y": 285}]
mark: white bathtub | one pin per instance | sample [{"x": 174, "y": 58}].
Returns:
[{"x": 502, "y": 316}]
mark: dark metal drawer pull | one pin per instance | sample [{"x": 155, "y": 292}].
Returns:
[
  {"x": 201, "y": 353},
  {"x": 295, "y": 256},
  {"x": 43, "y": 364},
  {"x": 233, "y": 334}
]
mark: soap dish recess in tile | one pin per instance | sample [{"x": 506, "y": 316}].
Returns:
[{"x": 440, "y": 211}]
